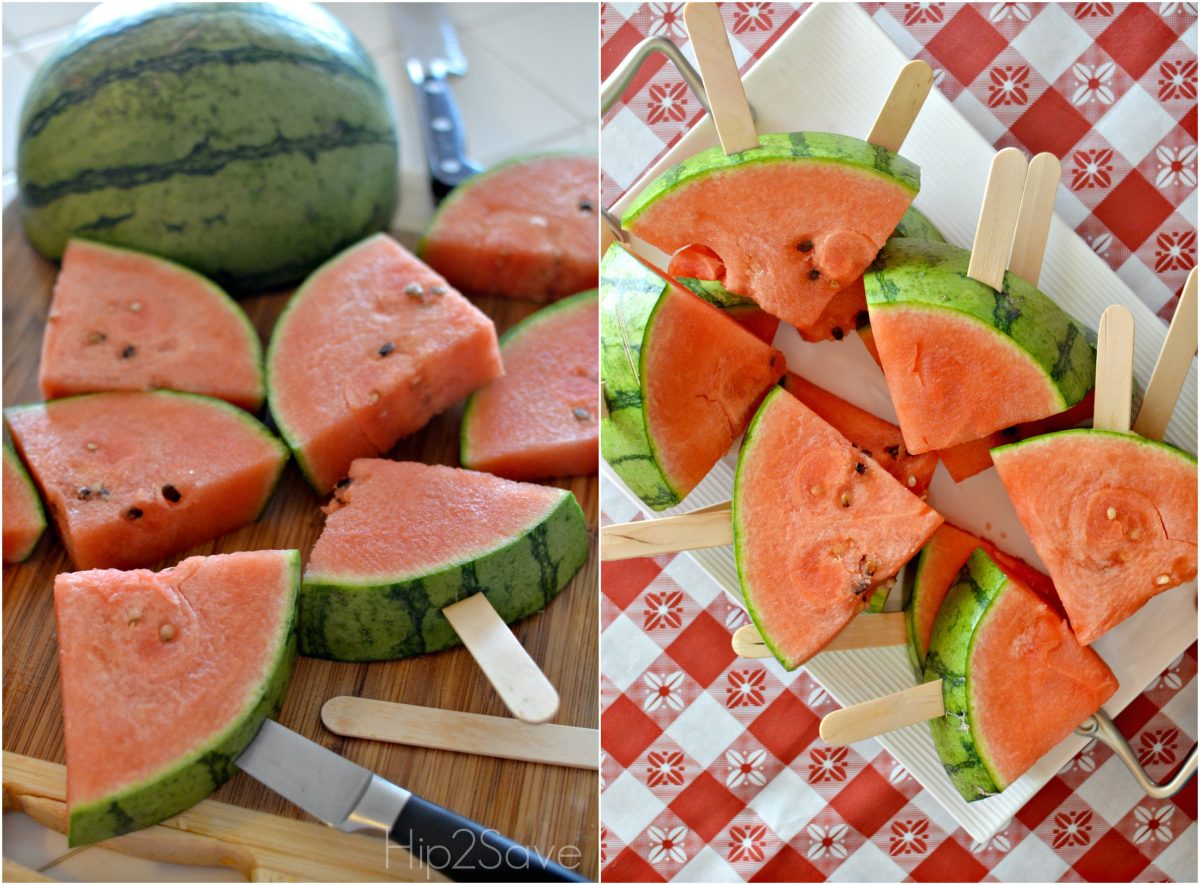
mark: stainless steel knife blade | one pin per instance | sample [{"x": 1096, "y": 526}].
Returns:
[{"x": 429, "y": 41}]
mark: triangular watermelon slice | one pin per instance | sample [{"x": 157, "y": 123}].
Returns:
[
  {"x": 124, "y": 320},
  {"x": 1015, "y": 682},
  {"x": 166, "y": 678},
  {"x": 131, "y": 478},
  {"x": 1112, "y": 515},
  {"x": 963, "y": 360},
  {"x": 816, "y": 523},
  {"x": 681, "y": 379},
  {"x": 792, "y": 220},
  {"x": 24, "y": 518}
]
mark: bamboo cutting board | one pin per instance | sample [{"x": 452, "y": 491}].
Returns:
[{"x": 547, "y": 807}]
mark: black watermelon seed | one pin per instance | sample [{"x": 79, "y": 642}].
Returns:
[
  {"x": 814, "y": 274},
  {"x": 866, "y": 452},
  {"x": 133, "y": 513},
  {"x": 860, "y": 467},
  {"x": 894, "y": 451},
  {"x": 586, "y": 206},
  {"x": 171, "y": 493},
  {"x": 342, "y": 483},
  {"x": 862, "y": 320},
  {"x": 582, "y": 414},
  {"x": 128, "y": 352},
  {"x": 84, "y": 493},
  {"x": 386, "y": 348},
  {"x": 102, "y": 491},
  {"x": 804, "y": 246},
  {"x": 838, "y": 334}
]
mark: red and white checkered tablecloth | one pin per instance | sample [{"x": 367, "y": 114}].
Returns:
[{"x": 713, "y": 769}]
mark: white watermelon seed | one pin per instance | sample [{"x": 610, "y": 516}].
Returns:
[
  {"x": 1111, "y": 513},
  {"x": 1162, "y": 580},
  {"x": 166, "y": 632}
]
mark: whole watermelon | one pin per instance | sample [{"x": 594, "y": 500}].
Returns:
[{"x": 250, "y": 141}]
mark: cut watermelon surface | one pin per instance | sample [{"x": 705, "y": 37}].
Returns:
[
  {"x": 371, "y": 347},
  {"x": 874, "y": 437},
  {"x": 937, "y": 568},
  {"x": 681, "y": 380},
  {"x": 403, "y": 540},
  {"x": 963, "y": 360},
  {"x": 816, "y": 523},
  {"x": 791, "y": 220},
  {"x": 166, "y": 678},
  {"x": 131, "y": 478},
  {"x": 24, "y": 518},
  {"x": 1015, "y": 682},
  {"x": 540, "y": 419},
  {"x": 1112, "y": 515},
  {"x": 525, "y": 229},
  {"x": 123, "y": 320}
]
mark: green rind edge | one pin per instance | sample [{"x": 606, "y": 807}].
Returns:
[
  {"x": 589, "y": 298},
  {"x": 958, "y": 744},
  {"x": 924, "y": 274},
  {"x": 1167, "y": 448},
  {"x": 781, "y": 147},
  {"x": 346, "y": 620},
  {"x": 187, "y": 781},
  {"x": 10, "y": 458},
  {"x": 629, "y": 297}
]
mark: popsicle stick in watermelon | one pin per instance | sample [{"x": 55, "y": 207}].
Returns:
[
  {"x": 1111, "y": 514},
  {"x": 868, "y": 630},
  {"x": 1171, "y": 370},
  {"x": 722, "y": 83},
  {"x": 967, "y": 349}
]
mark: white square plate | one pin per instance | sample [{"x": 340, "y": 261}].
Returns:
[{"x": 831, "y": 72}]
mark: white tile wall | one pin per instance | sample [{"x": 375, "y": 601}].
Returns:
[{"x": 532, "y": 85}]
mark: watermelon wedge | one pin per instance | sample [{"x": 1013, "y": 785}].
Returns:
[
  {"x": 131, "y": 478},
  {"x": 403, "y": 540},
  {"x": 791, "y": 220},
  {"x": 874, "y": 437},
  {"x": 540, "y": 419},
  {"x": 166, "y": 678},
  {"x": 1015, "y": 682},
  {"x": 937, "y": 567},
  {"x": 524, "y": 229},
  {"x": 816, "y": 524},
  {"x": 371, "y": 347},
  {"x": 681, "y": 380},
  {"x": 1112, "y": 515},
  {"x": 963, "y": 360},
  {"x": 123, "y": 320},
  {"x": 24, "y": 518}
]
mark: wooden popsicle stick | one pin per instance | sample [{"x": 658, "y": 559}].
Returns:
[
  {"x": 650, "y": 537},
  {"x": 516, "y": 677},
  {"x": 873, "y": 718},
  {"x": 871, "y": 630},
  {"x": 1114, "y": 370},
  {"x": 1033, "y": 220},
  {"x": 903, "y": 103},
  {"x": 1172, "y": 367},
  {"x": 457, "y": 732},
  {"x": 722, "y": 82},
  {"x": 998, "y": 218}
]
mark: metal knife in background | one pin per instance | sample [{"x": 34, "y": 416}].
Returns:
[
  {"x": 432, "y": 55},
  {"x": 352, "y": 799}
]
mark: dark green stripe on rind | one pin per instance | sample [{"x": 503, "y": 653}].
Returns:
[
  {"x": 17, "y": 465},
  {"x": 581, "y": 301},
  {"x": 924, "y": 274},
  {"x": 781, "y": 147},
  {"x": 915, "y": 226},
  {"x": 348, "y": 621},
  {"x": 629, "y": 296},
  {"x": 193, "y": 778},
  {"x": 978, "y": 586}
]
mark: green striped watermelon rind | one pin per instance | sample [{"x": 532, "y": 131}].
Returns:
[
  {"x": 221, "y": 297},
  {"x": 933, "y": 276},
  {"x": 584, "y": 301},
  {"x": 1088, "y": 432},
  {"x": 959, "y": 745},
  {"x": 10, "y": 457},
  {"x": 916, "y": 655},
  {"x": 479, "y": 178},
  {"x": 774, "y": 147},
  {"x": 186, "y": 781},
  {"x": 379, "y": 619},
  {"x": 247, "y": 201},
  {"x": 630, "y": 296}
]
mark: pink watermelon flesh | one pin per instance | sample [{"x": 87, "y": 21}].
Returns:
[
  {"x": 1112, "y": 515},
  {"x": 541, "y": 419},
  {"x": 122, "y": 320},
  {"x": 24, "y": 519},
  {"x": 1029, "y": 683},
  {"x": 816, "y": 524},
  {"x": 371, "y": 347},
  {"x": 942, "y": 368},
  {"x": 159, "y": 668},
  {"x": 131, "y": 478},
  {"x": 527, "y": 229}
]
